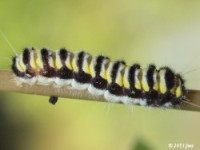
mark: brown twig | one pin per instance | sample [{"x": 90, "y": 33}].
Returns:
[{"x": 7, "y": 83}]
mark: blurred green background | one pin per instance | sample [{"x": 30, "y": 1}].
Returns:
[{"x": 161, "y": 32}]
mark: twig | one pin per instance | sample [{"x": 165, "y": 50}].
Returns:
[{"x": 7, "y": 83}]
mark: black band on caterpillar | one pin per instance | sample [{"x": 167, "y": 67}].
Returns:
[{"x": 113, "y": 79}]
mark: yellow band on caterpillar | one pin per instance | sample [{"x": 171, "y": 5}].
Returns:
[
  {"x": 33, "y": 57},
  {"x": 144, "y": 82},
  {"x": 103, "y": 69},
  {"x": 21, "y": 63},
  {"x": 58, "y": 62},
  {"x": 86, "y": 67},
  {"x": 155, "y": 79},
  {"x": 108, "y": 72},
  {"x": 18, "y": 65},
  {"x": 39, "y": 60},
  {"x": 137, "y": 80},
  {"x": 68, "y": 61},
  {"x": 51, "y": 61},
  {"x": 74, "y": 63},
  {"x": 92, "y": 66},
  {"x": 179, "y": 91},
  {"x": 162, "y": 85},
  {"x": 126, "y": 83},
  {"x": 119, "y": 78}
]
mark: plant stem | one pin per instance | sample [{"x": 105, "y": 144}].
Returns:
[{"x": 7, "y": 83}]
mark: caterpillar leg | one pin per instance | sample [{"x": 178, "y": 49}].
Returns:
[
  {"x": 95, "y": 91},
  {"x": 53, "y": 100}
]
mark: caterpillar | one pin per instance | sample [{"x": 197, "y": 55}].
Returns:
[{"x": 115, "y": 80}]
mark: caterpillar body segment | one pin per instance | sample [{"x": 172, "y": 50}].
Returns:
[
  {"x": 46, "y": 67},
  {"x": 115, "y": 80},
  {"x": 99, "y": 81},
  {"x": 149, "y": 84},
  {"x": 81, "y": 76},
  {"x": 114, "y": 92},
  {"x": 132, "y": 84},
  {"x": 64, "y": 73}
]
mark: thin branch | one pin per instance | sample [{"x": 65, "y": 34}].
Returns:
[{"x": 7, "y": 83}]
